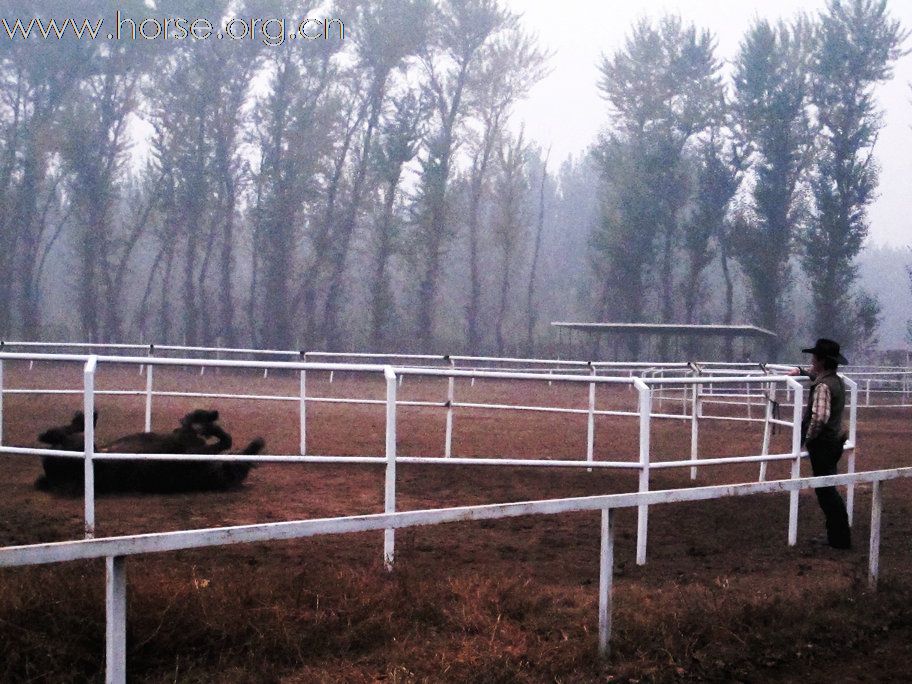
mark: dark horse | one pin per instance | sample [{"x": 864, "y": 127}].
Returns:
[{"x": 198, "y": 433}]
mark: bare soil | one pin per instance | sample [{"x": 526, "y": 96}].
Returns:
[{"x": 721, "y": 598}]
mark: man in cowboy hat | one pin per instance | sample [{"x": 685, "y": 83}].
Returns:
[{"x": 824, "y": 435}]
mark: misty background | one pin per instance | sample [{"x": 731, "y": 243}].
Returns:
[{"x": 383, "y": 192}]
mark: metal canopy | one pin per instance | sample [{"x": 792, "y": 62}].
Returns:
[{"x": 669, "y": 329}]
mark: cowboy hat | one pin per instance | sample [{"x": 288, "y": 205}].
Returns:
[{"x": 827, "y": 349}]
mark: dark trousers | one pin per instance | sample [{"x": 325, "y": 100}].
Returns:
[{"x": 825, "y": 454}]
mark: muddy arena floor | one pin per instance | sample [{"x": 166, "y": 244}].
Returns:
[{"x": 721, "y": 598}]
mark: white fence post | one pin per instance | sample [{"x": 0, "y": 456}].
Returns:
[
  {"x": 645, "y": 410},
  {"x": 88, "y": 408},
  {"x": 853, "y": 435},
  {"x": 874, "y": 549},
  {"x": 451, "y": 397},
  {"x": 303, "y": 413},
  {"x": 696, "y": 407},
  {"x": 797, "y": 409},
  {"x": 1, "y": 402},
  {"x": 606, "y": 581},
  {"x": 590, "y": 425},
  {"x": 389, "y": 536},
  {"x": 115, "y": 620},
  {"x": 767, "y": 428},
  {"x": 149, "y": 367}
]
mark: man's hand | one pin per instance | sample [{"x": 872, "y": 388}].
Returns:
[{"x": 795, "y": 371}]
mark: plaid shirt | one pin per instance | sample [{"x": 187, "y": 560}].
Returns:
[{"x": 820, "y": 410}]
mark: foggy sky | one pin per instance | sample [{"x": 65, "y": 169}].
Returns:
[{"x": 564, "y": 109}]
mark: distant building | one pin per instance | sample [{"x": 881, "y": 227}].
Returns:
[
  {"x": 892, "y": 357},
  {"x": 681, "y": 342}
]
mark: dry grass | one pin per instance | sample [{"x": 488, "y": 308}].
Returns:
[{"x": 198, "y": 622}]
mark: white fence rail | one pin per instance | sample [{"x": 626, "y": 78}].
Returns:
[
  {"x": 881, "y": 386},
  {"x": 116, "y": 549},
  {"x": 691, "y": 387}
]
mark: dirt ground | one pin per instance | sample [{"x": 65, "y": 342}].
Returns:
[{"x": 721, "y": 598}]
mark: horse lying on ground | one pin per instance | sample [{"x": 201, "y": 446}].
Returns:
[
  {"x": 192, "y": 437},
  {"x": 60, "y": 469},
  {"x": 198, "y": 434}
]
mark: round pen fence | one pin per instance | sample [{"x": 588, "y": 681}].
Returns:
[
  {"x": 880, "y": 386},
  {"x": 115, "y": 550},
  {"x": 691, "y": 395},
  {"x": 677, "y": 392}
]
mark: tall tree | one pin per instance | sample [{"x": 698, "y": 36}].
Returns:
[
  {"x": 531, "y": 317},
  {"x": 465, "y": 31},
  {"x": 718, "y": 179},
  {"x": 664, "y": 88},
  {"x": 624, "y": 241},
  {"x": 94, "y": 151},
  {"x": 857, "y": 45},
  {"x": 397, "y": 146},
  {"x": 514, "y": 64},
  {"x": 300, "y": 107},
  {"x": 509, "y": 221},
  {"x": 772, "y": 123},
  {"x": 909, "y": 322},
  {"x": 390, "y": 32},
  {"x": 181, "y": 103},
  {"x": 231, "y": 171},
  {"x": 344, "y": 92},
  {"x": 34, "y": 95}
]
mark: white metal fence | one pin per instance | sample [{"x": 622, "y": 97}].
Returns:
[
  {"x": 116, "y": 549},
  {"x": 693, "y": 385},
  {"x": 690, "y": 388},
  {"x": 880, "y": 386}
]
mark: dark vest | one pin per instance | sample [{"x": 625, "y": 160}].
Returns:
[{"x": 833, "y": 427}]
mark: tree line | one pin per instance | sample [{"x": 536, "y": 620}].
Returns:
[
  {"x": 377, "y": 193},
  {"x": 768, "y": 171}
]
